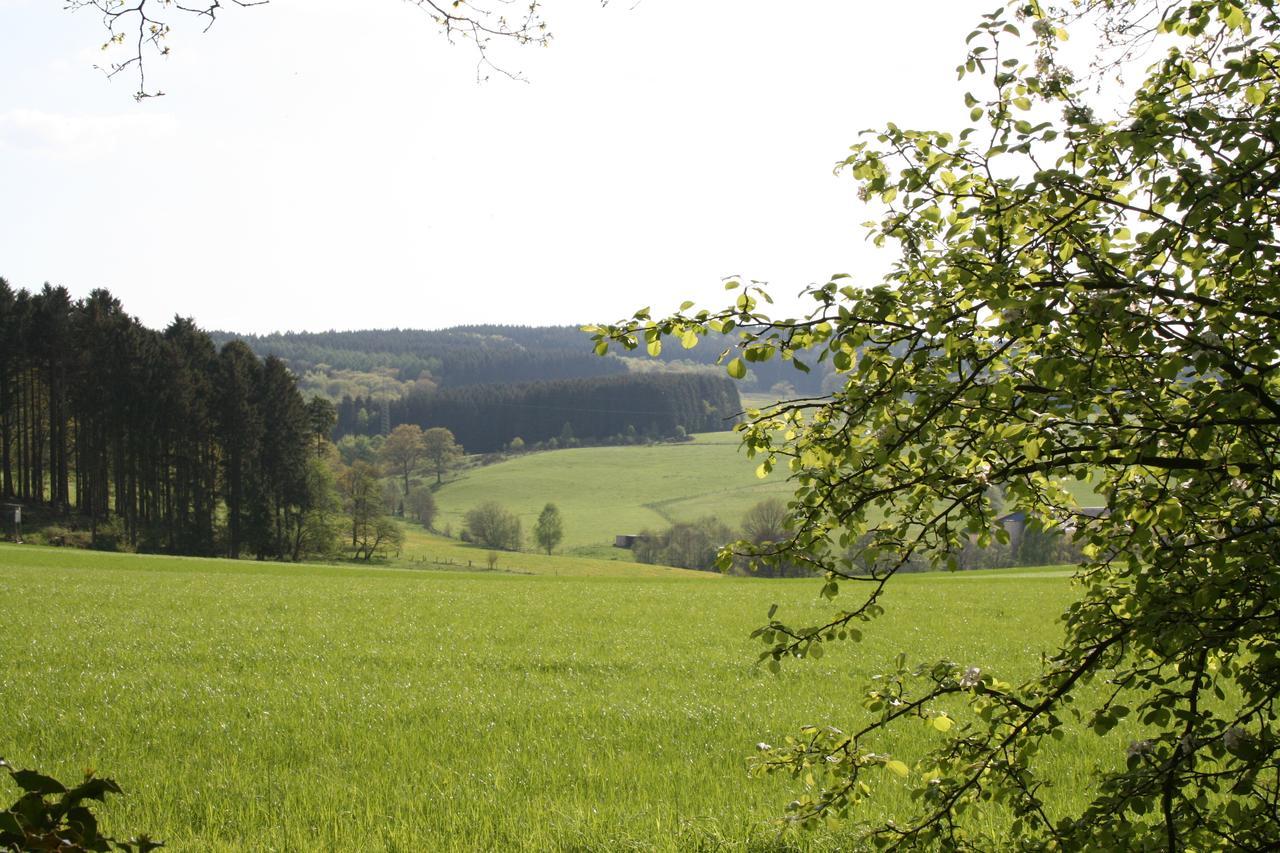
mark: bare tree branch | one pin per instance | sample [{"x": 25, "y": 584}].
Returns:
[{"x": 138, "y": 29}]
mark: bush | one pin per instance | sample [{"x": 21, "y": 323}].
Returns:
[
  {"x": 63, "y": 536},
  {"x": 687, "y": 545},
  {"x": 493, "y": 526},
  {"x": 110, "y": 536}
]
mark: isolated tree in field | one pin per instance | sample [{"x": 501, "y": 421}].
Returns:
[
  {"x": 440, "y": 451},
  {"x": 421, "y": 504},
  {"x": 549, "y": 528},
  {"x": 403, "y": 451},
  {"x": 1077, "y": 297},
  {"x": 494, "y": 526}
]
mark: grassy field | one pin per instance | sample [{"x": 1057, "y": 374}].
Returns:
[
  {"x": 273, "y": 707},
  {"x": 604, "y": 491}
]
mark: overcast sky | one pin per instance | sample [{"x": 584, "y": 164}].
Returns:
[{"x": 325, "y": 164}]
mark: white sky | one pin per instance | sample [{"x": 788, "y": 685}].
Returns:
[{"x": 326, "y": 164}]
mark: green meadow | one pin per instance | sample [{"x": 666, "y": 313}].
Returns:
[
  {"x": 605, "y": 491},
  {"x": 554, "y": 704}
]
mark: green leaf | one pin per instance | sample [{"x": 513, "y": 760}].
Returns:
[
  {"x": 897, "y": 767},
  {"x": 737, "y": 368}
]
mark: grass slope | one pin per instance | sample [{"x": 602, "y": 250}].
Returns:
[
  {"x": 260, "y": 706},
  {"x": 605, "y": 491}
]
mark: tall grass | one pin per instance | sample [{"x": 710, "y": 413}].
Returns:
[{"x": 259, "y": 706}]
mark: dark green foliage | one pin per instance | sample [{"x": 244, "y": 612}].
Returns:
[
  {"x": 50, "y": 816},
  {"x": 322, "y": 416},
  {"x": 472, "y": 355},
  {"x": 486, "y": 418},
  {"x": 143, "y": 436},
  {"x": 765, "y": 526}
]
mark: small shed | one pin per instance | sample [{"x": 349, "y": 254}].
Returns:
[{"x": 625, "y": 540}]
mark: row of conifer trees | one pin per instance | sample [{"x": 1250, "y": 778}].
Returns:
[{"x": 179, "y": 446}]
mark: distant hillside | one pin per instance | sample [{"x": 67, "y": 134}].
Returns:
[
  {"x": 606, "y": 491},
  {"x": 389, "y": 363},
  {"x": 607, "y": 409},
  {"x": 386, "y": 363}
]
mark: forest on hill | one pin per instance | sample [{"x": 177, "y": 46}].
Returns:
[
  {"x": 490, "y": 385},
  {"x": 612, "y": 409},
  {"x": 384, "y": 364}
]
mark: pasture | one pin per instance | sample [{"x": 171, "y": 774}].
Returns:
[
  {"x": 604, "y": 491},
  {"x": 265, "y": 706}
]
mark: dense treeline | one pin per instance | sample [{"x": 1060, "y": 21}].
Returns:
[
  {"x": 157, "y": 439},
  {"x": 477, "y": 355},
  {"x": 488, "y": 417},
  {"x": 470, "y": 355}
]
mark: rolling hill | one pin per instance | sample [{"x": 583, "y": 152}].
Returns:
[{"x": 606, "y": 491}]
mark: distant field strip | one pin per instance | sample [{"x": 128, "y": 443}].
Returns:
[
  {"x": 264, "y": 706},
  {"x": 605, "y": 491}
]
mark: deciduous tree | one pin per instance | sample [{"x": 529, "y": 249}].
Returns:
[
  {"x": 440, "y": 451},
  {"x": 422, "y": 506},
  {"x": 371, "y": 530},
  {"x": 549, "y": 528},
  {"x": 403, "y": 452},
  {"x": 1077, "y": 297}
]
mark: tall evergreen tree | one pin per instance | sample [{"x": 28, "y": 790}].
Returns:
[{"x": 239, "y": 429}]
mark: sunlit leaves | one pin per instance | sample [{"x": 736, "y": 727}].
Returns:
[{"x": 1079, "y": 299}]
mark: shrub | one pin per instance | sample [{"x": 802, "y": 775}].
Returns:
[{"x": 493, "y": 526}]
